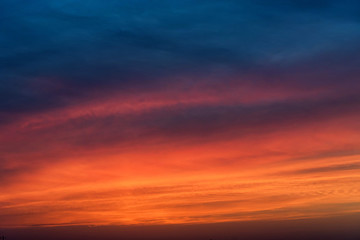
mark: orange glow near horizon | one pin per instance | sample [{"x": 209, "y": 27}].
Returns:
[{"x": 113, "y": 163}]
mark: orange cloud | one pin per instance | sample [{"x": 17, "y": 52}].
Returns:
[{"x": 182, "y": 158}]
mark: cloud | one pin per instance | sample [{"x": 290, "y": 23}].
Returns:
[
  {"x": 99, "y": 46},
  {"x": 334, "y": 168},
  {"x": 118, "y": 98}
]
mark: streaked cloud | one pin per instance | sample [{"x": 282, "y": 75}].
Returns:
[{"x": 162, "y": 112}]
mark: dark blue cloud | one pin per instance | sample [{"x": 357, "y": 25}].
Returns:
[{"x": 96, "y": 45}]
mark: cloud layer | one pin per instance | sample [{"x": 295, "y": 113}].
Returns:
[{"x": 154, "y": 112}]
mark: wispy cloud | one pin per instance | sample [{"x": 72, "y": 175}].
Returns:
[{"x": 126, "y": 112}]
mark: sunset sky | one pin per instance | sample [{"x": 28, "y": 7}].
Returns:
[{"x": 150, "y": 113}]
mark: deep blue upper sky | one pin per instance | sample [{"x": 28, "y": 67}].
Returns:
[{"x": 80, "y": 46}]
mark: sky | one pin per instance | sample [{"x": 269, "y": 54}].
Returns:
[{"x": 163, "y": 113}]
